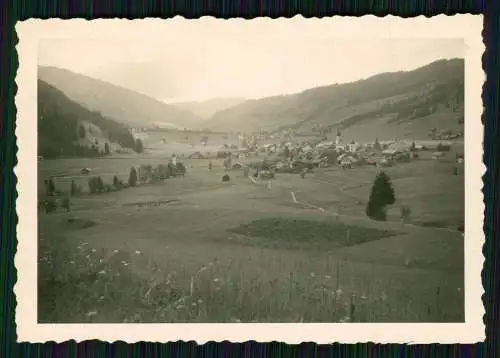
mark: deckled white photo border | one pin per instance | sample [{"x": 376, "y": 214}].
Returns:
[{"x": 468, "y": 27}]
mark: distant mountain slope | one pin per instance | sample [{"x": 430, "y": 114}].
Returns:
[
  {"x": 206, "y": 109},
  {"x": 65, "y": 128},
  {"x": 406, "y": 102},
  {"x": 118, "y": 103}
]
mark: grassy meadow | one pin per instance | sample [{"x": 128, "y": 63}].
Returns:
[{"x": 244, "y": 252}]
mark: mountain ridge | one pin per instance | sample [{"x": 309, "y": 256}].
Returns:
[
  {"x": 119, "y": 103},
  {"x": 438, "y": 85}
]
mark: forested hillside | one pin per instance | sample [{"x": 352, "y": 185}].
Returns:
[{"x": 65, "y": 128}]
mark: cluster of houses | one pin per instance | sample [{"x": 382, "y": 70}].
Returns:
[{"x": 291, "y": 154}]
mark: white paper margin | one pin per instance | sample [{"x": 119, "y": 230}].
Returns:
[{"x": 468, "y": 27}]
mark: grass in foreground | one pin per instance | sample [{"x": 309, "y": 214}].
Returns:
[{"x": 84, "y": 284}]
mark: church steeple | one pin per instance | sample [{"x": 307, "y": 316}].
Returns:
[{"x": 338, "y": 139}]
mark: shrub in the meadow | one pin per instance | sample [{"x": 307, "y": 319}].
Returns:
[
  {"x": 117, "y": 183},
  {"x": 74, "y": 189},
  {"x": 139, "y": 148},
  {"x": 132, "y": 178},
  {"x": 51, "y": 188},
  {"x": 65, "y": 203},
  {"x": 145, "y": 173},
  {"x": 50, "y": 205},
  {"x": 172, "y": 170},
  {"x": 99, "y": 184},
  {"x": 92, "y": 183},
  {"x": 405, "y": 213},
  {"x": 107, "y": 150},
  {"x": 382, "y": 194},
  {"x": 180, "y": 169},
  {"x": 162, "y": 171}
]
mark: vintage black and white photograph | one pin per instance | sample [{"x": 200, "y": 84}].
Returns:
[{"x": 231, "y": 172}]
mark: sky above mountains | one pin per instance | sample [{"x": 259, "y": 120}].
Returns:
[{"x": 195, "y": 61}]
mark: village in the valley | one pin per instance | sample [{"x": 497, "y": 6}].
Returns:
[
  {"x": 293, "y": 154},
  {"x": 333, "y": 200}
]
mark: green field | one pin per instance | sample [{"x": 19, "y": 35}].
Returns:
[{"x": 221, "y": 252}]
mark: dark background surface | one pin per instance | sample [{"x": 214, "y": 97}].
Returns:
[{"x": 20, "y": 10}]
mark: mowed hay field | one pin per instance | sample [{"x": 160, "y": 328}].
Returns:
[{"x": 240, "y": 252}]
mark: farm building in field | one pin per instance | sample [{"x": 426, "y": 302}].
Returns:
[{"x": 437, "y": 155}]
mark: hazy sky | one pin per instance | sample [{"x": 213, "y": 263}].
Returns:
[{"x": 192, "y": 62}]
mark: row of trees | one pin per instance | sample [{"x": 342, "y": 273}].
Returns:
[{"x": 97, "y": 185}]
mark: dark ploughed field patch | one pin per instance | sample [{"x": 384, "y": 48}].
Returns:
[{"x": 296, "y": 232}]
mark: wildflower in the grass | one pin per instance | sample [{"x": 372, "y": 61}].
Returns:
[
  {"x": 193, "y": 304},
  {"x": 312, "y": 274},
  {"x": 216, "y": 280},
  {"x": 363, "y": 297},
  {"x": 339, "y": 292},
  {"x": 383, "y": 296},
  {"x": 345, "y": 319},
  {"x": 203, "y": 268},
  {"x": 93, "y": 250},
  {"x": 102, "y": 272},
  {"x": 91, "y": 313},
  {"x": 200, "y": 302},
  {"x": 179, "y": 307},
  {"x": 100, "y": 261},
  {"x": 83, "y": 243},
  {"x": 124, "y": 263},
  {"x": 459, "y": 289},
  {"x": 101, "y": 298},
  {"x": 138, "y": 252},
  {"x": 328, "y": 277},
  {"x": 115, "y": 251}
]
